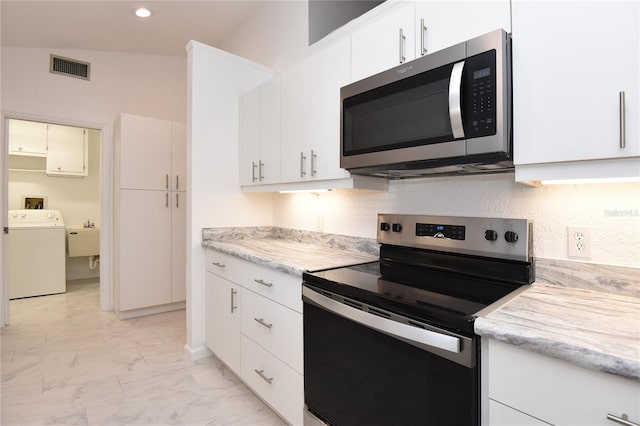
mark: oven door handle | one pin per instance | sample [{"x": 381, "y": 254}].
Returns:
[{"x": 408, "y": 333}]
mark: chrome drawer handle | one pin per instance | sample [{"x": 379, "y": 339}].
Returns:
[
  {"x": 264, "y": 283},
  {"x": 219, "y": 265},
  {"x": 623, "y": 126},
  {"x": 261, "y": 321},
  {"x": 624, "y": 420},
  {"x": 233, "y": 302},
  {"x": 261, "y": 374}
]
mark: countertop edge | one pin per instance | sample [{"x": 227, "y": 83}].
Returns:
[
  {"x": 254, "y": 259},
  {"x": 583, "y": 357}
]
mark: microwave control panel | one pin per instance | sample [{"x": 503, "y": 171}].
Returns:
[{"x": 480, "y": 95}]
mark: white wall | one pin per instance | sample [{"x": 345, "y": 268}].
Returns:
[
  {"x": 149, "y": 85},
  {"x": 216, "y": 80},
  {"x": 611, "y": 210}
]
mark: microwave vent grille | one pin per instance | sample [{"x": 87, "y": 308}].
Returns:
[{"x": 69, "y": 67}]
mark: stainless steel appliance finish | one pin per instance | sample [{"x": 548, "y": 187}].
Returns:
[
  {"x": 398, "y": 333},
  {"x": 448, "y": 112}
]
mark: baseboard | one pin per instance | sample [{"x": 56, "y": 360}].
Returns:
[
  {"x": 197, "y": 353},
  {"x": 134, "y": 313}
]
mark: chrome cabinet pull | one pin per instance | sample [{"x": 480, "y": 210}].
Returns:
[
  {"x": 402, "y": 38},
  {"x": 261, "y": 374},
  {"x": 260, "y": 167},
  {"x": 314, "y": 163},
  {"x": 623, "y": 124},
  {"x": 455, "y": 111},
  {"x": 261, "y": 321},
  {"x": 624, "y": 420},
  {"x": 177, "y": 203},
  {"x": 166, "y": 181},
  {"x": 253, "y": 171},
  {"x": 264, "y": 283},
  {"x": 423, "y": 32},
  {"x": 166, "y": 199},
  {"x": 233, "y": 293},
  {"x": 219, "y": 265},
  {"x": 302, "y": 160},
  {"x": 177, "y": 183}
]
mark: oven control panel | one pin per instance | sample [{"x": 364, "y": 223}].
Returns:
[{"x": 491, "y": 237}]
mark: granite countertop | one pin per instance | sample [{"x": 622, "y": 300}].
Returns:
[
  {"x": 589, "y": 327},
  {"x": 291, "y": 251}
]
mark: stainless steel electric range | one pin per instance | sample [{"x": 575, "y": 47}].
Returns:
[{"x": 392, "y": 342}]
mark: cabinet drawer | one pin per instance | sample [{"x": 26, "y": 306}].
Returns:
[
  {"x": 275, "y": 382},
  {"x": 557, "y": 391},
  {"x": 278, "y": 286},
  {"x": 276, "y": 328}
]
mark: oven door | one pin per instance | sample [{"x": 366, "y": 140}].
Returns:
[{"x": 381, "y": 369}]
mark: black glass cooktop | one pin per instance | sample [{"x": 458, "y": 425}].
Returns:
[{"x": 442, "y": 298}]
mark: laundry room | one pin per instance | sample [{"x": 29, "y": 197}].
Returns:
[{"x": 55, "y": 169}]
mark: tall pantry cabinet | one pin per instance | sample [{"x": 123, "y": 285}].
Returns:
[{"x": 149, "y": 216}]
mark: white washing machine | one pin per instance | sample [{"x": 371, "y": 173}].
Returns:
[{"x": 36, "y": 253}]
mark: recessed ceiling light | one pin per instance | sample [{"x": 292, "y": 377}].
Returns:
[{"x": 143, "y": 12}]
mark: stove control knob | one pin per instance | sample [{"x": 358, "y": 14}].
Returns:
[
  {"x": 396, "y": 227},
  {"x": 490, "y": 235},
  {"x": 384, "y": 226},
  {"x": 511, "y": 237}
]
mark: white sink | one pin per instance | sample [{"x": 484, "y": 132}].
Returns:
[{"x": 83, "y": 241}]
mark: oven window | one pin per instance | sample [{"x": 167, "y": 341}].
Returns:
[
  {"x": 409, "y": 112},
  {"x": 354, "y": 375}
]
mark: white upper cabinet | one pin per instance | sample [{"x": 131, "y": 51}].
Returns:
[
  {"x": 330, "y": 70},
  {"x": 384, "y": 43},
  {"x": 440, "y": 24},
  {"x": 571, "y": 61},
  {"x": 68, "y": 151},
  {"x": 27, "y": 138},
  {"x": 260, "y": 134},
  {"x": 311, "y": 115},
  {"x": 145, "y": 153}
]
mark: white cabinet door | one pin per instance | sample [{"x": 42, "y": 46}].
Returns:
[
  {"x": 501, "y": 415},
  {"x": 249, "y": 137},
  {"x": 145, "y": 153},
  {"x": 178, "y": 246},
  {"x": 27, "y": 138},
  {"x": 378, "y": 46},
  {"x": 451, "y": 22},
  {"x": 296, "y": 121},
  {"x": 570, "y": 60},
  {"x": 556, "y": 391},
  {"x": 330, "y": 70},
  {"x": 67, "y": 152},
  {"x": 260, "y": 134},
  {"x": 178, "y": 181},
  {"x": 144, "y": 249},
  {"x": 223, "y": 320}
]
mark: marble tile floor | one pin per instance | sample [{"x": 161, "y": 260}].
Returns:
[{"x": 65, "y": 362}]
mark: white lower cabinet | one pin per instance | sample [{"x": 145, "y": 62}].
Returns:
[
  {"x": 254, "y": 325},
  {"x": 223, "y": 320},
  {"x": 276, "y": 383},
  {"x": 528, "y": 388}
]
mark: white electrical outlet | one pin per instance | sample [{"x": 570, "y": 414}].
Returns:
[{"x": 579, "y": 242}]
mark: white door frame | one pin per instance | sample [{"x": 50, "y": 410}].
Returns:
[{"x": 106, "y": 206}]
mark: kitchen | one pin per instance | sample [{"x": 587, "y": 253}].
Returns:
[{"x": 610, "y": 210}]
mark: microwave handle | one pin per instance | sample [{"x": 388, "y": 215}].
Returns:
[{"x": 455, "y": 92}]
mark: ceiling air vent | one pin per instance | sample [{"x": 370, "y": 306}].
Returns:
[{"x": 69, "y": 67}]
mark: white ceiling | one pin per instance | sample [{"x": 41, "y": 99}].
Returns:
[{"x": 112, "y": 26}]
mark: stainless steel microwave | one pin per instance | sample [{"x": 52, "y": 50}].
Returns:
[{"x": 445, "y": 113}]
